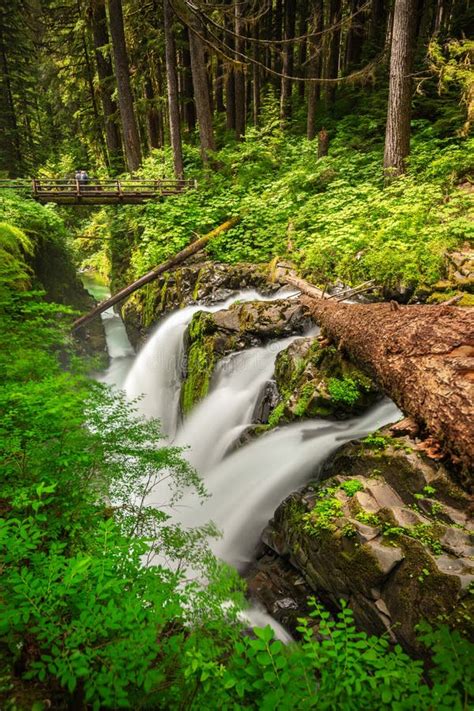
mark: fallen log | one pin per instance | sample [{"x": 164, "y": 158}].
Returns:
[
  {"x": 305, "y": 287},
  {"x": 155, "y": 273},
  {"x": 421, "y": 355}
]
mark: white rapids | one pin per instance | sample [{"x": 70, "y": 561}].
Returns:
[{"x": 245, "y": 485}]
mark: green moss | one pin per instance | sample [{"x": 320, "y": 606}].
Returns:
[
  {"x": 197, "y": 284},
  {"x": 343, "y": 391},
  {"x": 199, "y": 372},
  {"x": 305, "y": 396},
  {"x": 351, "y": 487},
  {"x": 324, "y": 514},
  {"x": 425, "y": 533},
  {"x": 200, "y": 362},
  {"x": 276, "y": 414},
  {"x": 375, "y": 441},
  {"x": 370, "y": 519}
]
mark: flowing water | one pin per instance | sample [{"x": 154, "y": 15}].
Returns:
[
  {"x": 247, "y": 485},
  {"x": 120, "y": 350},
  {"x": 157, "y": 372}
]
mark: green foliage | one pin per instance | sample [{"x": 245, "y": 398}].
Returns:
[
  {"x": 14, "y": 246},
  {"x": 80, "y": 613},
  {"x": 334, "y": 667},
  {"x": 351, "y": 486},
  {"x": 343, "y": 390},
  {"x": 324, "y": 513},
  {"x": 453, "y": 65},
  {"x": 333, "y": 214}
]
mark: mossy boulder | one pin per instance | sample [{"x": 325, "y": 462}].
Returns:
[
  {"x": 315, "y": 380},
  {"x": 386, "y": 530},
  {"x": 211, "y": 336},
  {"x": 201, "y": 282},
  {"x": 458, "y": 280}
]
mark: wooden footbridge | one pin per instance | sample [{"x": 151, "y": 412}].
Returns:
[{"x": 65, "y": 191}]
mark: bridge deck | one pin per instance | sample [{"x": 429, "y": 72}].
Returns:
[{"x": 98, "y": 192}]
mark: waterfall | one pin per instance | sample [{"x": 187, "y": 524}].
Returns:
[
  {"x": 216, "y": 423},
  {"x": 157, "y": 372},
  {"x": 247, "y": 486},
  {"x": 119, "y": 348}
]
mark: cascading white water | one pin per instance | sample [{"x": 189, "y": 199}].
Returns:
[
  {"x": 247, "y": 486},
  {"x": 157, "y": 371},
  {"x": 216, "y": 423}
]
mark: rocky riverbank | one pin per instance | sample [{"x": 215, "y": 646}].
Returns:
[{"x": 384, "y": 527}]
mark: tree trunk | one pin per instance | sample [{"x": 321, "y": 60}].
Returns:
[
  {"x": 256, "y": 80},
  {"x": 131, "y": 138},
  {"x": 153, "y": 118},
  {"x": 239, "y": 78},
  {"x": 422, "y": 356},
  {"x": 355, "y": 36},
  {"x": 11, "y": 135},
  {"x": 397, "y": 136},
  {"x": 332, "y": 66},
  {"x": 201, "y": 96},
  {"x": 155, "y": 273},
  {"x": 173, "y": 99},
  {"x": 314, "y": 89},
  {"x": 302, "y": 47},
  {"x": 288, "y": 61},
  {"x": 377, "y": 24},
  {"x": 323, "y": 143},
  {"x": 189, "y": 111},
  {"x": 98, "y": 18},
  {"x": 219, "y": 87}
]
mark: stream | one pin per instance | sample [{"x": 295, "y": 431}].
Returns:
[{"x": 245, "y": 485}]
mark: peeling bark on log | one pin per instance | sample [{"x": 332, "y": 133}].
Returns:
[
  {"x": 155, "y": 273},
  {"x": 423, "y": 358}
]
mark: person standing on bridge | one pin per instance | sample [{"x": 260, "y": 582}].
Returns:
[{"x": 83, "y": 178}]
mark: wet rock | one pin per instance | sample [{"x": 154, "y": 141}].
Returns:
[
  {"x": 315, "y": 380},
  {"x": 267, "y": 400},
  {"x": 276, "y": 584},
  {"x": 201, "y": 282},
  {"x": 211, "y": 336},
  {"x": 362, "y": 535}
]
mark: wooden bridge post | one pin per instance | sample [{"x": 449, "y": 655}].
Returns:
[{"x": 35, "y": 186}]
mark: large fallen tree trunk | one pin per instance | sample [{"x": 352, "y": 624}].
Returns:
[
  {"x": 422, "y": 356},
  {"x": 155, "y": 273}
]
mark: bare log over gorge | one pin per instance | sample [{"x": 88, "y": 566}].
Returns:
[
  {"x": 422, "y": 356},
  {"x": 155, "y": 273}
]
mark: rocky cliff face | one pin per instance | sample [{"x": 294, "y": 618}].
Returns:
[
  {"x": 387, "y": 530},
  {"x": 55, "y": 273}
]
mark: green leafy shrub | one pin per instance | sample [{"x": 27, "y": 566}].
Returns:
[{"x": 352, "y": 486}]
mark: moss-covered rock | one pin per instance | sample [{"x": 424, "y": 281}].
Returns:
[
  {"x": 388, "y": 531},
  {"x": 201, "y": 282},
  {"x": 458, "y": 280},
  {"x": 211, "y": 336},
  {"x": 316, "y": 380}
]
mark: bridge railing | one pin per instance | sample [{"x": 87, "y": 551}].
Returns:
[{"x": 108, "y": 187}]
